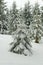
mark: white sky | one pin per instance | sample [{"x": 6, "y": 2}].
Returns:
[{"x": 20, "y": 3}]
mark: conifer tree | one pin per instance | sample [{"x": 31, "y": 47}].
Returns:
[
  {"x": 2, "y": 16},
  {"x": 20, "y": 16},
  {"x": 8, "y": 20},
  {"x": 36, "y": 24},
  {"x": 42, "y": 19},
  {"x": 36, "y": 7},
  {"x": 13, "y": 18},
  {"x": 21, "y": 43},
  {"x": 42, "y": 14},
  {"x": 27, "y": 14}
]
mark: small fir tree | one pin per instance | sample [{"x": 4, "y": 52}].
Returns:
[{"x": 21, "y": 43}]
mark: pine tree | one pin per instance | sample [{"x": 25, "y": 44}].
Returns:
[
  {"x": 42, "y": 14},
  {"x": 7, "y": 20},
  {"x": 21, "y": 43},
  {"x": 42, "y": 19},
  {"x": 13, "y": 18},
  {"x": 27, "y": 14},
  {"x": 36, "y": 24},
  {"x": 36, "y": 7},
  {"x": 20, "y": 16},
  {"x": 2, "y": 16}
]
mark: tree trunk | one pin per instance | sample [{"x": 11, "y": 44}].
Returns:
[
  {"x": 37, "y": 36},
  {"x": 36, "y": 39}
]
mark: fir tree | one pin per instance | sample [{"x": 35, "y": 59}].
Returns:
[
  {"x": 21, "y": 43},
  {"x": 20, "y": 16},
  {"x": 37, "y": 26},
  {"x": 27, "y": 14},
  {"x": 13, "y": 18},
  {"x": 35, "y": 9},
  {"x": 2, "y": 16},
  {"x": 42, "y": 19},
  {"x": 8, "y": 20},
  {"x": 42, "y": 14}
]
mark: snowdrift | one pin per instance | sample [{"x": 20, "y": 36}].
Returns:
[{"x": 8, "y": 58}]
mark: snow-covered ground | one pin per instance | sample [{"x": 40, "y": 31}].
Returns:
[{"x": 8, "y": 58}]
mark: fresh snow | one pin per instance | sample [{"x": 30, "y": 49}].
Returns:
[{"x": 8, "y": 58}]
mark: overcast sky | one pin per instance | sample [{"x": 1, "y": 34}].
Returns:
[{"x": 20, "y": 3}]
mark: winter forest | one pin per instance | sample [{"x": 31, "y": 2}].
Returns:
[{"x": 21, "y": 34}]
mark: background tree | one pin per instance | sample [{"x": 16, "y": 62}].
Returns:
[
  {"x": 27, "y": 14},
  {"x": 42, "y": 19},
  {"x": 13, "y": 18},
  {"x": 8, "y": 17},
  {"x": 2, "y": 16},
  {"x": 20, "y": 16},
  {"x": 35, "y": 9},
  {"x": 42, "y": 14},
  {"x": 37, "y": 26}
]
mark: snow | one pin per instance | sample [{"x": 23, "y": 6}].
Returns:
[{"x": 8, "y": 58}]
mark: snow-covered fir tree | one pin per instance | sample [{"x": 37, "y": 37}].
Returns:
[
  {"x": 36, "y": 25},
  {"x": 21, "y": 43},
  {"x": 27, "y": 14},
  {"x": 8, "y": 17},
  {"x": 42, "y": 19},
  {"x": 35, "y": 8},
  {"x": 42, "y": 14},
  {"x": 13, "y": 18},
  {"x": 2, "y": 16}
]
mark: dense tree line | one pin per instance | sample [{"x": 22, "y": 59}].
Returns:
[{"x": 23, "y": 24}]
